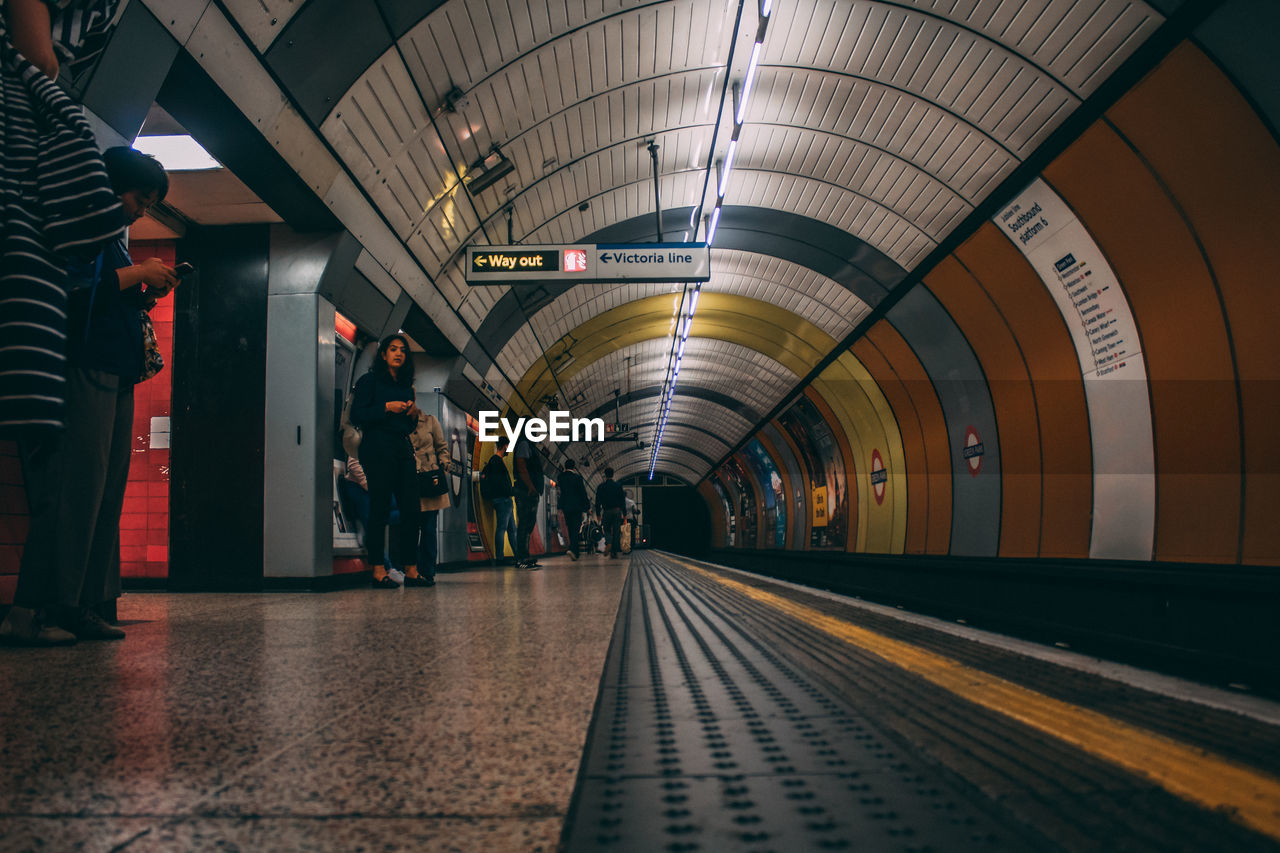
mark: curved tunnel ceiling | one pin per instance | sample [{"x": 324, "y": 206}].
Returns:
[{"x": 874, "y": 129}]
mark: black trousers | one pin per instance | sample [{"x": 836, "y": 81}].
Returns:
[
  {"x": 390, "y": 469},
  {"x": 613, "y": 529},
  {"x": 573, "y": 521},
  {"x": 526, "y": 520},
  {"x": 75, "y": 490}
]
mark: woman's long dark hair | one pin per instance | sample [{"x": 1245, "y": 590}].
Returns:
[{"x": 405, "y": 375}]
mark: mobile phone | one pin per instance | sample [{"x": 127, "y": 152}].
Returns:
[{"x": 183, "y": 270}]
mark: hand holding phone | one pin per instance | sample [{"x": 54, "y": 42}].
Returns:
[{"x": 183, "y": 270}]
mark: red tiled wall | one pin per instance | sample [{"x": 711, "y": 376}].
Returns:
[
  {"x": 13, "y": 519},
  {"x": 144, "y": 524},
  {"x": 144, "y": 527}
]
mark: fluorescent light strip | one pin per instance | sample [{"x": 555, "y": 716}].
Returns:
[
  {"x": 723, "y": 167},
  {"x": 746, "y": 87},
  {"x": 728, "y": 165}
]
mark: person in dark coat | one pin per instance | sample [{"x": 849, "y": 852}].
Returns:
[
  {"x": 575, "y": 503},
  {"x": 611, "y": 503},
  {"x": 383, "y": 407}
]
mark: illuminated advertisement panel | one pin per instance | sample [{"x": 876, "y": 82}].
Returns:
[
  {"x": 821, "y": 455},
  {"x": 737, "y": 479},
  {"x": 728, "y": 511},
  {"x": 775, "y": 500}
]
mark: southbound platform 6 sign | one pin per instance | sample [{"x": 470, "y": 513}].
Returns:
[{"x": 600, "y": 263}]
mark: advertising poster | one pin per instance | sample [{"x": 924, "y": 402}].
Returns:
[
  {"x": 775, "y": 500},
  {"x": 737, "y": 479},
  {"x": 728, "y": 511},
  {"x": 821, "y": 455}
]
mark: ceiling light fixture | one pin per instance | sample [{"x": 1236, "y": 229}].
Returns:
[
  {"x": 688, "y": 302},
  {"x": 487, "y": 171},
  {"x": 180, "y": 153}
]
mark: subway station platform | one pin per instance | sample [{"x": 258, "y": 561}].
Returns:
[{"x": 654, "y": 703}]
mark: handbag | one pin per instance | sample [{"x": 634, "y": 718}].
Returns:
[
  {"x": 152, "y": 360},
  {"x": 432, "y": 484}
]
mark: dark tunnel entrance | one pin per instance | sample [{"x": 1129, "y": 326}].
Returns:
[{"x": 678, "y": 520}]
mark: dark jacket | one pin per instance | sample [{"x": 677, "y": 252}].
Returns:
[
  {"x": 108, "y": 335},
  {"x": 533, "y": 462},
  {"x": 369, "y": 408},
  {"x": 611, "y": 496},
  {"x": 495, "y": 482},
  {"x": 573, "y": 492}
]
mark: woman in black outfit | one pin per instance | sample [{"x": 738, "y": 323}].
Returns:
[{"x": 383, "y": 407}]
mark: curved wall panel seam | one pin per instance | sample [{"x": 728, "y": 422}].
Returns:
[
  {"x": 1034, "y": 428},
  {"x": 1203, "y": 251},
  {"x": 915, "y": 464}
]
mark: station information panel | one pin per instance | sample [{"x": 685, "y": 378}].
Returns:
[{"x": 588, "y": 263}]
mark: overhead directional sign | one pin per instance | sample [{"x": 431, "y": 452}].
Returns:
[{"x": 588, "y": 263}]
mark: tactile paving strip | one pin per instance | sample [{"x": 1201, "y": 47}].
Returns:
[{"x": 705, "y": 742}]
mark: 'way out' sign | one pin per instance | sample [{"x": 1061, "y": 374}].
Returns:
[{"x": 598, "y": 263}]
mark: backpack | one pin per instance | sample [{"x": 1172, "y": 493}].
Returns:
[{"x": 495, "y": 482}]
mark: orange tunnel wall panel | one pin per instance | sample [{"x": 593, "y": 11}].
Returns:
[
  {"x": 933, "y": 428},
  {"x": 1195, "y": 415},
  {"x": 1011, "y": 393},
  {"x": 1066, "y": 459},
  {"x": 719, "y": 524},
  {"x": 1221, "y": 166}
]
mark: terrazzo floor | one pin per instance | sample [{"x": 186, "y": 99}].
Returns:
[{"x": 450, "y": 718}]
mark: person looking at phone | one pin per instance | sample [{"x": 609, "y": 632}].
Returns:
[
  {"x": 382, "y": 405},
  {"x": 76, "y": 479}
]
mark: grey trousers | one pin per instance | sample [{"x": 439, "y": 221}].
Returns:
[{"x": 75, "y": 491}]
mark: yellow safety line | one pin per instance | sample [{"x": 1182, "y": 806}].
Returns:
[{"x": 1246, "y": 795}]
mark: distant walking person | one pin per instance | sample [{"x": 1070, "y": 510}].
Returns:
[
  {"x": 382, "y": 406},
  {"x": 495, "y": 487},
  {"x": 574, "y": 503},
  {"x": 528, "y": 485},
  {"x": 611, "y": 502},
  {"x": 432, "y": 454}
]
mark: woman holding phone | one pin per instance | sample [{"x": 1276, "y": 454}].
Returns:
[
  {"x": 383, "y": 407},
  {"x": 76, "y": 479}
]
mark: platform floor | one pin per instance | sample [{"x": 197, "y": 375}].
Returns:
[
  {"x": 649, "y": 704},
  {"x": 449, "y": 718}
]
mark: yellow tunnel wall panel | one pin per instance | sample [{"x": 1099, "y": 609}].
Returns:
[
  {"x": 915, "y": 461},
  {"x": 865, "y": 414},
  {"x": 1066, "y": 463},
  {"x": 1221, "y": 165},
  {"x": 1192, "y": 379}
]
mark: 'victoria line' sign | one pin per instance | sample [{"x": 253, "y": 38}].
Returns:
[{"x": 598, "y": 263}]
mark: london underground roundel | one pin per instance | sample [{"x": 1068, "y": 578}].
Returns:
[
  {"x": 879, "y": 476},
  {"x": 973, "y": 450}
]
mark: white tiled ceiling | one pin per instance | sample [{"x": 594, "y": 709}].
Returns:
[{"x": 889, "y": 120}]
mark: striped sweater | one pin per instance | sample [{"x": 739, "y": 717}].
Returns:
[{"x": 56, "y": 204}]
